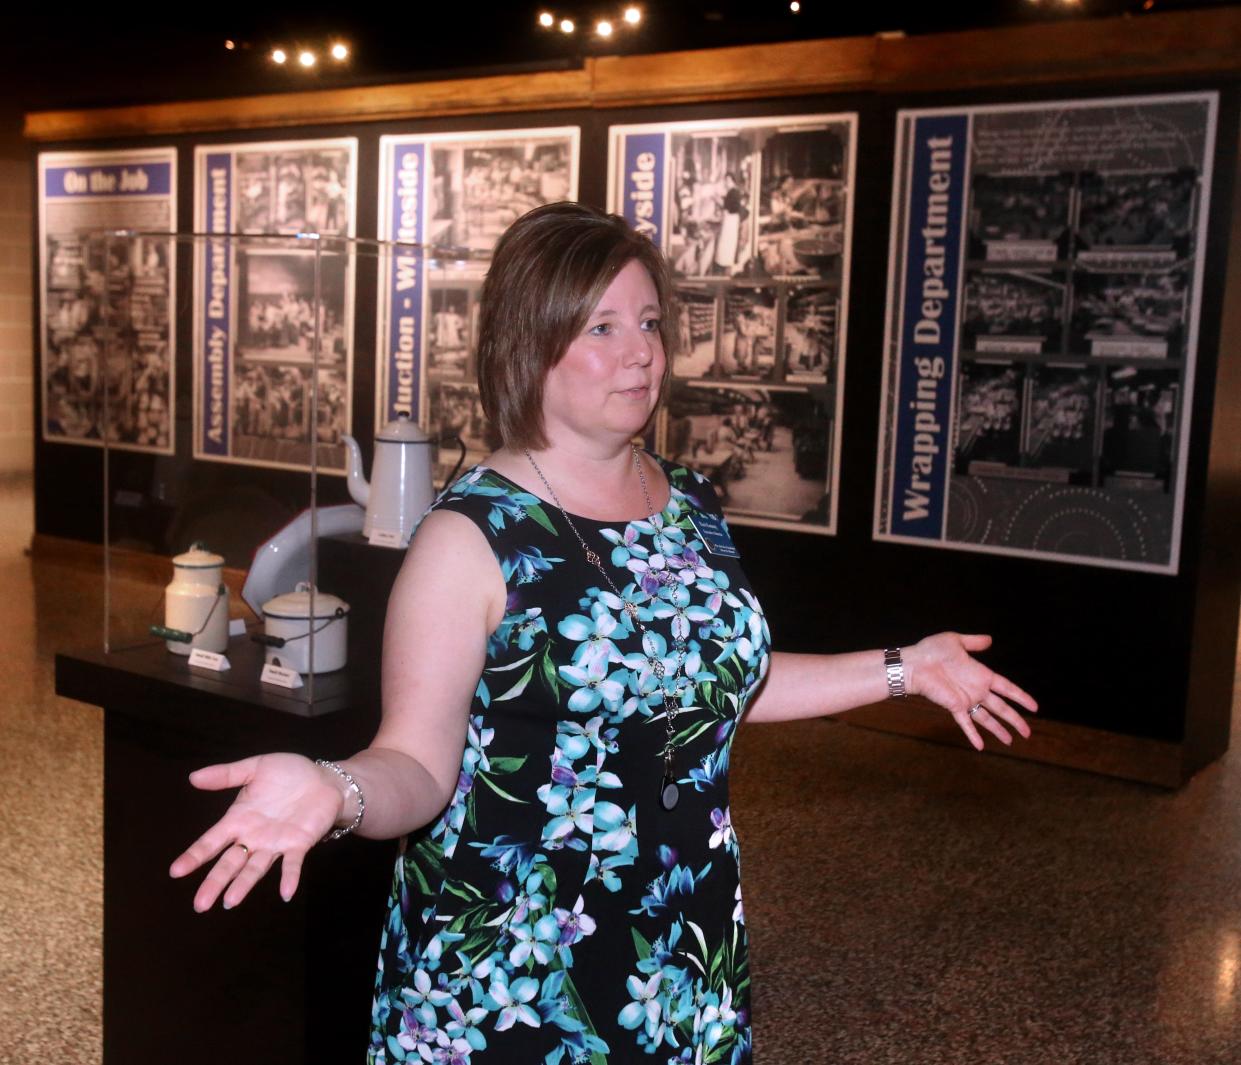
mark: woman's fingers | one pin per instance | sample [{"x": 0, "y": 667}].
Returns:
[
  {"x": 226, "y": 868},
  {"x": 290, "y": 873},
  {"x": 1005, "y": 687},
  {"x": 224, "y": 775},
  {"x": 1000, "y": 710},
  {"x": 257, "y": 864},
  {"x": 216, "y": 839},
  {"x": 975, "y": 643}
]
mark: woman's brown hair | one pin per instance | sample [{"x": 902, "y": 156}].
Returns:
[{"x": 549, "y": 271}]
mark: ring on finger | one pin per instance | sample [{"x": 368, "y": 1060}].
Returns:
[
  {"x": 243, "y": 847},
  {"x": 974, "y": 709}
]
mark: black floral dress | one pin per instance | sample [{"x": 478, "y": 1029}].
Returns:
[{"x": 556, "y": 912}]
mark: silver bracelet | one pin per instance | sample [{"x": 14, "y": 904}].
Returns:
[
  {"x": 895, "y": 667},
  {"x": 336, "y": 833}
]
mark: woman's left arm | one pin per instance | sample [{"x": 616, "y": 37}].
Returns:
[{"x": 940, "y": 668}]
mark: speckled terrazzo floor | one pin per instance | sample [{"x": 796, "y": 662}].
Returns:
[{"x": 908, "y": 903}]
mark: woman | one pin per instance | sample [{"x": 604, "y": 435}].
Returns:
[{"x": 570, "y": 645}]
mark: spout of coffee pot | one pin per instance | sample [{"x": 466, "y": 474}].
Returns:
[{"x": 359, "y": 489}]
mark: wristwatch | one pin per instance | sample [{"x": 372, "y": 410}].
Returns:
[{"x": 895, "y": 668}]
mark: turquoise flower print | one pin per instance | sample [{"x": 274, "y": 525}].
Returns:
[
  {"x": 645, "y": 680},
  {"x": 463, "y": 1025},
  {"x": 527, "y": 564},
  {"x": 593, "y": 635},
  {"x": 665, "y": 892},
  {"x": 676, "y": 605},
  {"x": 574, "y": 926},
  {"x": 738, "y": 910},
  {"x": 509, "y": 854},
  {"x": 520, "y": 629},
  {"x": 594, "y": 685},
  {"x": 538, "y": 941},
  {"x": 618, "y": 827},
  {"x": 512, "y": 1000},
  {"x": 645, "y": 1009}
]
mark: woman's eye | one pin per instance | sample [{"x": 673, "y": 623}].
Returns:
[
  {"x": 600, "y": 330},
  {"x": 651, "y": 325}
]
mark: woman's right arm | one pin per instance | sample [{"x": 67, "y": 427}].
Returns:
[{"x": 448, "y": 596}]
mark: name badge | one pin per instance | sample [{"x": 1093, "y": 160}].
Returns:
[{"x": 711, "y": 529}]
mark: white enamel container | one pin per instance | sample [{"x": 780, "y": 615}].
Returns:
[
  {"x": 197, "y": 600},
  {"x": 287, "y": 617}
]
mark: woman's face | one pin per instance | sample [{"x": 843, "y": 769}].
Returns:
[{"x": 607, "y": 384}]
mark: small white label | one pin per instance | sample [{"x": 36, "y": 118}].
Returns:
[
  {"x": 281, "y": 677},
  {"x": 386, "y": 538},
  {"x": 208, "y": 660},
  {"x": 236, "y": 626}
]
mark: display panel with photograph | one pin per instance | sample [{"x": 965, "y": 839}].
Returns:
[
  {"x": 263, "y": 296},
  {"x": 455, "y": 193},
  {"x": 755, "y": 217},
  {"x": 1049, "y": 253},
  {"x": 107, "y": 365}
]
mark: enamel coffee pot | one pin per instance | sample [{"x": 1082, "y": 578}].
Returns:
[{"x": 401, "y": 488}]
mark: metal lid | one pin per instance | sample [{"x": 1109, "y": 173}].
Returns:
[
  {"x": 198, "y": 557},
  {"x": 296, "y": 605},
  {"x": 401, "y": 430}
]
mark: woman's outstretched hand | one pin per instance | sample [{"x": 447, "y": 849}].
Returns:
[
  {"x": 942, "y": 668},
  {"x": 285, "y": 806}
]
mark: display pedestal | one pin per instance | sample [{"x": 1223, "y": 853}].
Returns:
[{"x": 268, "y": 981}]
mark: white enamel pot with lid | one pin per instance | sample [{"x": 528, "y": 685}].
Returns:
[
  {"x": 196, "y": 603},
  {"x": 287, "y": 623}
]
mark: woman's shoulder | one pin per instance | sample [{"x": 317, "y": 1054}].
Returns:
[{"x": 493, "y": 502}]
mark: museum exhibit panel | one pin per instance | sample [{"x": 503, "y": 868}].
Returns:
[{"x": 956, "y": 349}]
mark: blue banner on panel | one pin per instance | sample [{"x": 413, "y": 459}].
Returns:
[
  {"x": 642, "y": 196},
  {"x": 931, "y": 296},
  {"x": 217, "y": 282},
  {"x": 405, "y": 280},
  {"x": 121, "y": 179}
]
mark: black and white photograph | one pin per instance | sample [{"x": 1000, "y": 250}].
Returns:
[
  {"x": 107, "y": 332},
  {"x": 1020, "y": 217},
  {"x": 764, "y": 449},
  {"x": 455, "y": 194},
  {"x": 453, "y": 325},
  {"x": 294, "y": 190},
  {"x": 989, "y": 416},
  {"x": 809, "y": 339},
  {"x": 479, "y": 189},
  {"x": 696, "y": 310},
  {"x": 713, "y": 222},
  {"x": 457, "y": 414},
  {"x": 1137, "y": 211},
  {"x": 755, "y": 217},
  {"x": 748, "y": 334},
  {"x": 803, "y": 201},
  {"x": 1140, "y": 410},
  {"x": 258, "y": 312},
  {"x": 1136, "y": 315},
  {"x": 1084, "y": 229},
  {"x": 1060, "y": 422},
  {"x": 1013, "y": 311}
]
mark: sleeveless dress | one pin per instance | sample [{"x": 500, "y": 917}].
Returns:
[{"x": 556, "y": 912}]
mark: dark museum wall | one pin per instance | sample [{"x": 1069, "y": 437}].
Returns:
[{"x": 1104, "y": 649}]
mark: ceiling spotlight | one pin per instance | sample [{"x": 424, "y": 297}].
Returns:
[
  {"x": 279, "y": 55},
  {"x": 546, "y": 20},
  {"x": 340, "y": 51},
  {"x": 603, "y": 28},
  {"x": 794, "y": 6},
  {"x": 567, "y": 25},
  {"x": 307, "y": 59},
  {"x": 230, "y": 45},
  {"x": 633, "y": 16}
]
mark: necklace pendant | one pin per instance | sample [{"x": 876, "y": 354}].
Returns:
[
  {"x": 669, "y": 791},
  {"x": 594, "y": 559},
  {"x": 631, "y": 609}
]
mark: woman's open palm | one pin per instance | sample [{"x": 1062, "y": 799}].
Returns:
[{"x": 285, "y": 806}]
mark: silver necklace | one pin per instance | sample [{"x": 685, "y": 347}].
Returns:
[{"x": 669, "y": 790}]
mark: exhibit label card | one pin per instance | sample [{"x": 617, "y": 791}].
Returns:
[
  {"x": 1042, "y": 325},
  {"x": 276, "y": 207},
  {"x": 453, "y": 194},
  {"x": 755, "y": 216},
  {"x": 106, "y": 351}
]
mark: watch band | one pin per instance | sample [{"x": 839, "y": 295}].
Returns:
[{"x": 895, "y": 667}]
